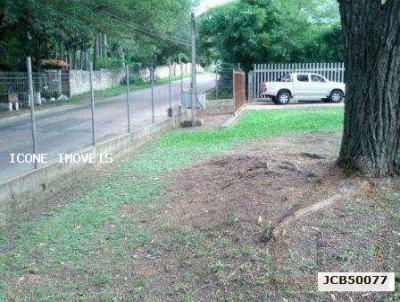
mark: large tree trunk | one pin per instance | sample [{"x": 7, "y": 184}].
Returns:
[{"x": 371, "y": 139}]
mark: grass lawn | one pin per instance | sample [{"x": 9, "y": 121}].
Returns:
[{"x": 86, "y": 250}]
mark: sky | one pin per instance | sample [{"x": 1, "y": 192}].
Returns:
[{"x": 207, "y": 4}]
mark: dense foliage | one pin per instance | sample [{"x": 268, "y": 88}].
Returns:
[
  {"x": 105, "y": 32},
  {"x": 261, "y": 31}
]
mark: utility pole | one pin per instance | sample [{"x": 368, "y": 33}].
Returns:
[{"x": 193, "y": 83}]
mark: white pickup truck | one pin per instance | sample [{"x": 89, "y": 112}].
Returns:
[{"x": 303, "y": 86}]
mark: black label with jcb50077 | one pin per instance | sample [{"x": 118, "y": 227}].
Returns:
[{"x": 356, "y": 282}]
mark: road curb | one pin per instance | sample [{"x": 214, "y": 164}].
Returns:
[{"x": 234, "y": 118}]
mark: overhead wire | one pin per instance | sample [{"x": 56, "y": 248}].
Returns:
[
  {"x": 123, "y": 23},
  {"x": 136, "y": 26}
]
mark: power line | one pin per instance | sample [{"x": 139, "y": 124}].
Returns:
[
  {"x": 139, "y": 27},
  {"x": 131, "y": 22},
  {"x": 123, "y": 23}
]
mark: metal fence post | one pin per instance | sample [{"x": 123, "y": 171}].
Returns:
[
  {"x": 32, "y": 107},
  {"x": 60, "y": 92},
  {"x": 92, "y": 103},
  {"x": 128, "y": 105},
  {"x": 216, "y": 82},
  {"x": 181, "y": 80},
  {"x": 152, "y": 93},
  {"x": 234, "y": 91},
  {"x": 169, "y": 90}
]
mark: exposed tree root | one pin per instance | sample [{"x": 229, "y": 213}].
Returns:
[
  {"x": 282, "y": 229},
  {"x": 278, "y": 242}
]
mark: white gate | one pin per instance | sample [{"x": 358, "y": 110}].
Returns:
[{"x": 274, "y": 72}]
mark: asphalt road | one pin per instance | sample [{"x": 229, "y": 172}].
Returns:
[{"x": 66, "y": 129}]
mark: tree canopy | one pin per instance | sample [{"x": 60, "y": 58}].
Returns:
[
  {"x": 259, "y": 31},
  {"x": 106, "y": 31}
]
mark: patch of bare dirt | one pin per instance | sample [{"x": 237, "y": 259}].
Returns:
[{"x": 217, "y": 243}]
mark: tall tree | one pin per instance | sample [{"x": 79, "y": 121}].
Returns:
[
  {"x": 260, "y": 31},
  {"x": 371, "y": 139}
]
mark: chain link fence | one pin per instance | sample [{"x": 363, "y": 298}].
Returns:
[
  {"x": 33, "y": 122},
  {"x": 224, "y": 87}
]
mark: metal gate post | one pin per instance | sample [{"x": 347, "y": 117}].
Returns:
[{"x": 250, "y": 84}]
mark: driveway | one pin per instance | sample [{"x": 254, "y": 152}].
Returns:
[{"x": 65, "y": 129}]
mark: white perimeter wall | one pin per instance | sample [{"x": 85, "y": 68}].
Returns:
[{"x": 103, "y": 79}]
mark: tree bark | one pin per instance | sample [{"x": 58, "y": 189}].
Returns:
[
  {"x": 61, "y": 46},
  {"x": 73, "y": 63},
  {"x": 95, "y": 53},
  {"x": 87, "y": 60},
  {"x": 121, "y": 55},
  {"x": 105, "y": 45},
  {"x": 371, "y": 138}
]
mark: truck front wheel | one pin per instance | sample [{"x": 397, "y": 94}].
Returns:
[
  {"x": 336, "y": 96},
  {"x": 283, "y": 98}
]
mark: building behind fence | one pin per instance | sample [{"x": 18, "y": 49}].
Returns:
[
  {"x": 52, "y": 85},
  {"x": 275, "y": 72}
]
